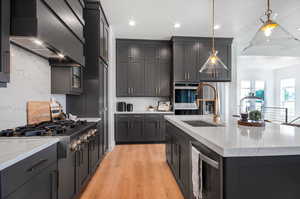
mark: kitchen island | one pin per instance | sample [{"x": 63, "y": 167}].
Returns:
[{"x": 235, "y": 161}]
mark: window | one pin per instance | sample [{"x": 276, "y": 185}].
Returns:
[
  {"x": 287, "y": 95},
  {"x": 253, "y": 86}
]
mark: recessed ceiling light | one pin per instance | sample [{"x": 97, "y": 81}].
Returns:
[
  {"x": 177, "y": 25},
  {"x": 132, "y": 23},
  {"x": 61, "y": 55},
  {"x": 38, "y": 42},
  {"x": 217, "y": 27},
  {"x": 298, "y": 28}
]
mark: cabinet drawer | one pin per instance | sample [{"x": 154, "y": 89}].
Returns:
[{"x": 18, "y": 174}]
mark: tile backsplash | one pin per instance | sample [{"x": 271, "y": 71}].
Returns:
[{"x": 141, "y": 103}]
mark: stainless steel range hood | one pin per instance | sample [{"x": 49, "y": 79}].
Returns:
[{"x": 38, "y": 27}]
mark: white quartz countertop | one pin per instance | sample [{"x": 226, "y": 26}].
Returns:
[
  {"x": 13, "y": 150},
  {"x": 146, "y": 112},
  {"x": 232, "y": 140}
]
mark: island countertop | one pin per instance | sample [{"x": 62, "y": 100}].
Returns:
[
  {"x": 232, "y": 140},
  {"x": 13, "y": 150}
]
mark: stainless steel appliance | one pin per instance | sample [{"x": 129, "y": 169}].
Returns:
[
  {"x": 185, "y": 97},
  {"x": 79, "y": 151},
  {"x": 206, "y": 173}
]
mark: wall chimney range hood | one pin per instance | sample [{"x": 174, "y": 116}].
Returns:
[{"x": 36, "y": 25}]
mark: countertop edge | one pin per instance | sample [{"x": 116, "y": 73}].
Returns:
[
  {"x": 240, "y": 152},
  {"x": 28, "y": 154}
]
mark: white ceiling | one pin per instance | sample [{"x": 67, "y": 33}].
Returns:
[
  {"x": 237, "y": 18},
  {"x": 266, "y": 62}
]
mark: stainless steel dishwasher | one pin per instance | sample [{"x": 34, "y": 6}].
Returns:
[{"x": 206, "y": 173}]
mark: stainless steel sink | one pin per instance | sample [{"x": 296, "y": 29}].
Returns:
[{"x": 200, "y": 123}]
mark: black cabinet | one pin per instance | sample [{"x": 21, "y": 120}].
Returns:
[
  {"x": 94, "y": 156},
  {"x": 34, "y": 177},
  {"x": 143, "y": 68},
  {"x": 190, "y": 54},
  {"x": 129, "y": 128},
  {"x": 43, "y": 185},
  {"x": 139, "y": 128},
  {"x": 177, "y": 153},
  {"x": 82, "y": 165},
  {"x": 152, "y": 129},
  {"x": 96, "y": 31},
  {"x": 66, "y": 80},
  {"x": 4, "y": 44},
  {"x": 185, "y": 56}
]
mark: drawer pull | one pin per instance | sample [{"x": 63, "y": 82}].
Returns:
[{"x": 36, "y": 165}]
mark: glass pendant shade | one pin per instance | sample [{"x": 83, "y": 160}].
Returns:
[
  {"x": 213, "y": 65},
  {"x": 271, "y": 37}
]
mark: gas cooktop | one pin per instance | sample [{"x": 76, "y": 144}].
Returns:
[{"x": 57, "y": 128}]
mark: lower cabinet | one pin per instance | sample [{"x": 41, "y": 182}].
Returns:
[
  {"x": 177, "y": 152},
  {"x": 178, "y": 155},
  {"x": 35, "y": 177},
  {"x": 43, "y": 185},
  {"x": 139, "y": 128}
]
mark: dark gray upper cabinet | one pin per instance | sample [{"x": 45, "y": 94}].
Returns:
[
  {"x": 143, "y": 68},
  {"x": 66, "y": 80},
  {"x": 96, "y": 31},
  {"x": 190, "y": 53},
  {"x": 4, "y": 44},
  {"x": 52, "y": 22}
]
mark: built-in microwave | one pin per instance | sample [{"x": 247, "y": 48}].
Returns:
[{"x": 185, "y": 97}]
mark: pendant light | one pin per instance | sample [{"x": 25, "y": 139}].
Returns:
[
  {"x": 271, "y": 36},
  {"x": 214, "y": 64}
]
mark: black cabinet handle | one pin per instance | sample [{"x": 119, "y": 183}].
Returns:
[{"x": 36, "y": 165}]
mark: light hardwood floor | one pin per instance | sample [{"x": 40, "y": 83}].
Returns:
[{"x": 133, "y": 172}]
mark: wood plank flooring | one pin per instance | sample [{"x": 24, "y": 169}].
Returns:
[{"x": 133, "y": 172}]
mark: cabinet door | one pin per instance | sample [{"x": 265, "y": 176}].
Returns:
[
  {"x": 136, "y": 78},
  {"x": 162, "y": 129},
  {"x": 4, "y": 44},
  {"x": 152, "y": 129},
  {"x": 122, "y": 80},
  {"x": 43, "y": 185},
  {"x": 184, "y": 166},
  {"x": 164, "y": 80},
  {"x": 136, "y": 128},
  {"x": 152, "y": 71},
  {"x": 179, "y": 71},
  {"x": 83, "y": 168},
  {"x": 168, "y": 146},
  {"x": 190, "y": 61},
  {"x": 122, "y": 129}
]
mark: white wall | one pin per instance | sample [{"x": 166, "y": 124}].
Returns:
[
  {"x": 30, "y": 80},
  {"x": 250, "y": 71},
  {"x": 111, "y": 88},
  {"x": 286, "y": 73}
]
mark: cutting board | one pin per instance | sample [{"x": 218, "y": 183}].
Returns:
[{"x": 38, "y": 111}]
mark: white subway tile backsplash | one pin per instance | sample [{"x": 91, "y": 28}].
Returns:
[
  {"x": 141, "y": 103},
  {"x": 30, "y": 80}
]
